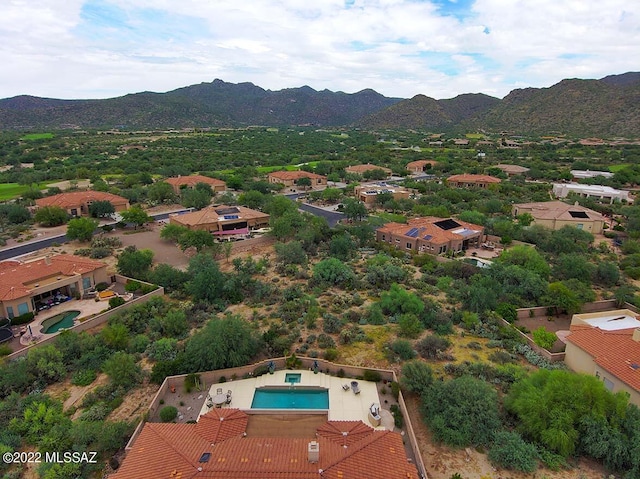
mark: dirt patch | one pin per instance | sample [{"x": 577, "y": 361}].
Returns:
[
  {"x": 71, "y": 395},
  {"x": 135, "y": 403}
]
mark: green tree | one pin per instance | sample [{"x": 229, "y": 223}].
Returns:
[
  {"x": 135, "y": 263},
  {"x": 290, "y": 253},
  {"x": 46, "y": 363},
  {"x": 417, "y": 376},
  {"x": 399, "y": 301},
  {"x": 543, "y": 338},
  {"x": 81, "y": 229},
  {"x": 342, "y": 247},
  {"x": 101, "y": 209},
  {"x": 161, "y": 192},
  {"x": 197, "y": 239},
  {"x": 170, "y": 278},
  {"x": 607, "y": 274},
  {"x": 122, "y": 369},
  {"x": 51, "y": 216},
  {"x": 207, "y": 281},
  {"x": 573, "y": 266},
  {"x": 136, "y": 215},
  {"x": 333, "y": 272},
  {"x": 252, "y": 199},
  {"x": 527, "y": 258},
  {"x": 354, "y": 210},
  {"x": 222, "y": 343},
  {"x": 196, "y": 198},
  {"x": 562, "y": 298},
  {"x": 173, "y": 232},
  {"x": 409, "y": 326},
  {"x": 115, "y": 336},
  {"x": 304, "y": 182},
  {"x": 462, "y": 411}
]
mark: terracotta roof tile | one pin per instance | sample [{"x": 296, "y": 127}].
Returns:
[
  {"x": 614, "y": 351},
  {"x": 426, "y": 227},
  {"x": 365, "y": 168},
  {"x": 210, "y": 215},
  {"x": 221, "y": 424},
  {"x": 193, "y": 180},
  {"x": 16, "y": 278},
  {"x": 558, "y": 210},
  {"x": 294, "y": 175},
  {"x": 76, "y": 198},
  {"x": 467, "y": 178}
]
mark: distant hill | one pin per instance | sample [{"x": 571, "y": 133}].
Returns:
[
  {"x": 208, "y": 104},
  {"x": 606, "y": 107}
]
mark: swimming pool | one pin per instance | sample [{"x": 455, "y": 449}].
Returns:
[
  {"x": 290, "y": 398},
  {"x": 59, "y": 321},
  {"x": 292, "y": 378}
]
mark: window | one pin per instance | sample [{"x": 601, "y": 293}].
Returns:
[
  {"x": 384, "y": 238},
  {"x": 579, "y": 226},
  {"x": 10, "y": 312},
  {"x": 23, "y": 308},
  {"x": 408, "y": 245},
  {"x": 86, "y": 283},
  {"x": 608, "y": 384}
]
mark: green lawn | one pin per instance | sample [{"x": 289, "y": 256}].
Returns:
[
  {"x": 9, "y": 191},
  {"x": 268, "y": 169},
  {"x": 474, "y": 136},
  {"x": 37, "y": 136},
  {"x": 618, "y": 167}
]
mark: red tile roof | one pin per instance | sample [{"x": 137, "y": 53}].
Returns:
[
  {"x": 426, "y": 228},
  {"x": 614, "y": 351},
  {"x": 193, "y": 180},
  {"x": 365, "y": 168},
  {"x": 420, "y": 164},
  {"x": 294, "y": 175},
  {"x": 16, "y": 277},
  {"x": 76, "y": 198},
  {"x": 174, "y": 451},
  {"x": 467, "y": 178}
]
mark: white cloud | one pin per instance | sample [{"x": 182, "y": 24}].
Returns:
[{"x": 100, "y": 48}]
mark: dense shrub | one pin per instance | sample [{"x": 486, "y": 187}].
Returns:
[
  {"x": 373, "y": 376},
  {"x": 22, "y": 319},
  {"x": 168, "y": 413},
  {"x": 543, "y": 338},
  {"x": 83, "y": 377},
  {"x": 512, "y": 452},
  {"x": 432, "y": 346},
  {"x": 401, "y": 349}
]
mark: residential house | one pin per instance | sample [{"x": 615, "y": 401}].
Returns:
[
  {"x": 431, "y": 235},
  {"x": 222, "y": 220},
  {"x": 472, "y": 181},
  {"x": 556, "y": 214},
  {"x": 28, "y": 286},
  {"x": 221, "y": 446},
  {"x": 369, "y": 192},
  {"x": 603, "y": 193},
  {"x": 362, "y": 169},
  {"x": 77, "y": 203},
  {"x": 512, "y": 170},
  {"x": 179, "y": 182},
  {"x": 607, "y": 345},
  {"x": 289, "y": 178},
  {"x": 420, "y": 166},
  {"x": 582, "y": 174}
]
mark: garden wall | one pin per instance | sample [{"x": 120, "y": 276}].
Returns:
[
  {"x": 96, "y": 320},
  {"x": 212, "y": 377},
  {"x": 594, "y": 307}
]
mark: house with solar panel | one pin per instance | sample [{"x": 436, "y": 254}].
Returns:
[
  {"x": 556, "y": 214},
  {"x": 431, "y": 235},
  {"x": 369, "y": 192},
  {"x": 224, "y": 222}
]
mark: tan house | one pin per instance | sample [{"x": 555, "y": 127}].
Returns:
[
  {"x": 179, "y": 182},
  {"x": 362, "y": 169},
  {"x": 368, "y": 193},
  {"x": 512, "y": 170},
  {"x": 556, "y": 214},
  {"x": 222, "y": 446},
  {"x": 33, "y": 285},
  {"x": 420, "y": 166},
  {"x": 222, "y": 220},
  {"x": 77, "y": 203},
  {"x": 472, "y": 181},
  {"x": 431, "y": 235},
  {"x": 289, "y": 178},
  {"x": 607, "y": 345}
]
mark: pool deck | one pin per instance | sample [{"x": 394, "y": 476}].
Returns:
[{"x": 344, "y": 405}]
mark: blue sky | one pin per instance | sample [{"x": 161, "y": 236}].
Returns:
[{"x": 439, "y": 48}]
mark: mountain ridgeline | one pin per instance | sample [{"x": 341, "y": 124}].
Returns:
[{"x": 606, "y": 107}]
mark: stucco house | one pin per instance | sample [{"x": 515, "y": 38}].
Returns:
[
  {"x": 362, "y": 169},
  {"x": 600, "y": 192},
  {"x": 431, "y": 235},
  {"x": 77, "y": 203},
  {"x": 289, "y": 178},
  {"x": 369, "y": 192},
  {"x": 222, "y": 446},
  {"x": 180, "y": 182},
  {"x": 27, "y": 286},
  {"x": 607, "y": 345},
  {"x": 222, "y": 220},
  {"x": 556, "y": 214},
  {"x": 419, "y": 166},
  {"x": 472, "y": 181}
]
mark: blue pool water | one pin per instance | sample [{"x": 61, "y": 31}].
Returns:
[
  {"x": 290, "y": 398},
  {"x": 59, "y": 321},
  {"x": 292, "y": 378}
]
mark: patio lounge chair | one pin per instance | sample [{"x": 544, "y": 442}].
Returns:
[
  {"x": 219, "y": 391},
  {"x": 355, "y": 387},
  {"x": 228, "y": 401}
]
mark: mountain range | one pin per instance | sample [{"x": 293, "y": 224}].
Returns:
[{"x": 609, "y": 106}]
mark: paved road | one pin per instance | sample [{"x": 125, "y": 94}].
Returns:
[
  {"x": 36, "y": 245},
  {"x": 332, "y": 217}
]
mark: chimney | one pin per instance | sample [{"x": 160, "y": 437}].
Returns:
[
  {"x": 47, "y": 260},
  {"x": 314, "y": 452},
  {"x": 636, "y": 335}
]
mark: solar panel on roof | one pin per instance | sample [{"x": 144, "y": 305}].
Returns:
[
  {"x": 227, "y": 211},
  {"x": 447, "y": 225},
  {"x": 413, "y": 232},
  {"x": 231, "y": 217},
  {"x": 578, "y": 214},
  {"x": 428, "y": 237}
]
